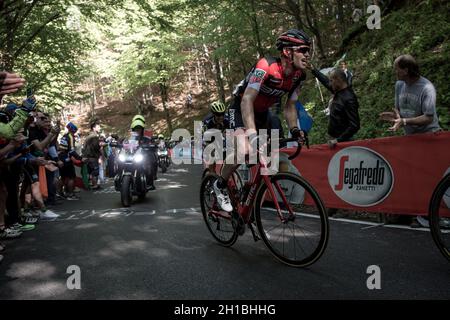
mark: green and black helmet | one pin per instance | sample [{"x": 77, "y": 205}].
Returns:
[{"x": 217, "y": 107}]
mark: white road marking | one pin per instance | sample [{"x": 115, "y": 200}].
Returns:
[
  {"x": 126, "y": 212},
  {"x": 90, "y": 215},
  {"x": 145, "y": 213},
  {"x": 368, "y": 223}
]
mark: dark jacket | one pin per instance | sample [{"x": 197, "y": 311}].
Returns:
[
  {"x": 92, "y": 146},
  {"x": 344, "y": 117},
  {"x": 349, "y": 78},
  {"x": 209, "y": 123}
]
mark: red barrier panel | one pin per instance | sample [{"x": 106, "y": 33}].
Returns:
[{"x": 394, "y": 174}]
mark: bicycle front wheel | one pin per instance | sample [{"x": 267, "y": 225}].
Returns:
[
  {"x": 293, "y": 223},
  {"x": 439, "y": 216},
  {"x": 218, "y": 222}
]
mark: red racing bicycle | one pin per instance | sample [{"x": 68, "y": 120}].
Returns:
[{"x": 289, "y": 215}]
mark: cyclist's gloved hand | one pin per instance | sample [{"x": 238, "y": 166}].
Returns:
[
  {"x": 29, "y": 104},
  {"x": 297, "y": 133}
]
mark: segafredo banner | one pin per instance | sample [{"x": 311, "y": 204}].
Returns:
[{"x": 360, "y": 176}]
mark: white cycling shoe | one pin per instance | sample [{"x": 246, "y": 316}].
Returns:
[{"x": 222, "y": 198}]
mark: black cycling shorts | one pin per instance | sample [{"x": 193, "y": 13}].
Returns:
[{"x": 263, "y": 120}]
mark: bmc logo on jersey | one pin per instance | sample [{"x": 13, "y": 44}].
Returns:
[
  {"x": 360, "y": 176},
  {"x": 257, "y": 76}
]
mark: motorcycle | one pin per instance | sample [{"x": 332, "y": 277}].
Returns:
[
  {"x": 163, "y": 159},
  {"x": 131, "y": 179}
]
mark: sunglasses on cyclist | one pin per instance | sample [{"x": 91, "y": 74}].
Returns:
[
  {"x": 219, "y": 114},
  {"x": 303, "y": 49}
]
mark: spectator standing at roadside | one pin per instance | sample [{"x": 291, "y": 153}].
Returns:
[
  {"x": 7, "y": 230},
  {"x": 38, "y": 141},
  {"x": 348, "y": 73},
  {"x": 415, "y": 99},
  {"x": 51, "y": 171},
  {"x": 111, "y": 141},
  {"x": 344, "y": 120},
  {"x": 67, "y": 156},
  {"x": 415, "y": 105},
  {"x": 189, "y": 103},
  {"x": 92, "y": 152},
  {"x": 42, "y": 137}
]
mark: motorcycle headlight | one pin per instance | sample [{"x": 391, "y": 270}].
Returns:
[
  {"x": 139, "y": 157},
  {"x": 122, "y": 157}
]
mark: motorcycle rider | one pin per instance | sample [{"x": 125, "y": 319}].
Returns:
[
  {"x": 138, "y": 126},
  {"x": 162, "y": 142},
  {"x": 163, "y": 146}
]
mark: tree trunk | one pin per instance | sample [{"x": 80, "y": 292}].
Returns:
[
  {"x": 94, "y": 95},
  {"x": 189, "y": 80},
  {"x": 150, "y": 100},
  {"x": 7, "y": 59},
  {"x": 102, "y": 90},
  {"x": 243, "y": 66},
  {"x": 294, "y": 7},
  {"x": 163, "y": 89},
  {"x": 230, "y": 79},
  {"x": 341, "y": 18},
  {"x": 196, "y": 78},
  {"x": 311, "y": 18},
  {"x": 259, "y": 46},
  {"x": 92, "y": 104},
  {"x": 219, "y": 80}
]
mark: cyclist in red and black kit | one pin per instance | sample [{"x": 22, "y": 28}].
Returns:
[{"x": 269, "y": 79}]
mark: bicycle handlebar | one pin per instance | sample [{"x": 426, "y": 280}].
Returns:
[{"x": 299, "y": 145}]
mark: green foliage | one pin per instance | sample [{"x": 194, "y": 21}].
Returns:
[
  {"x": 131, "y": 45},
  {"x": 148, "y": 55},
  {"x": 51, "y": 43},
  {"x": 413, "y": 30}
]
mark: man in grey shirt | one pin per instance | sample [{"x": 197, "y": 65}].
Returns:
[
  {"x": 415, "y": 99},
  {"x": 415, "y": 105}
]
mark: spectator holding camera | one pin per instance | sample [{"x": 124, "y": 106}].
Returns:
[
  {"x": 10, "y": 83},
  {"x": 8, "y": 229}
]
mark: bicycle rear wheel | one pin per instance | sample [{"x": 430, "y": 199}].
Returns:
[
  {"x": 298, "y": 234},
  {"x": 439, "y": 216},
  {"x": 218, "y": 222}
]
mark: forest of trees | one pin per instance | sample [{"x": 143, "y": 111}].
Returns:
[{"x": 87, "y": 52}]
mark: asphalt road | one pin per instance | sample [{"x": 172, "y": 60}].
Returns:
[{"x": 160, "y": 248}]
